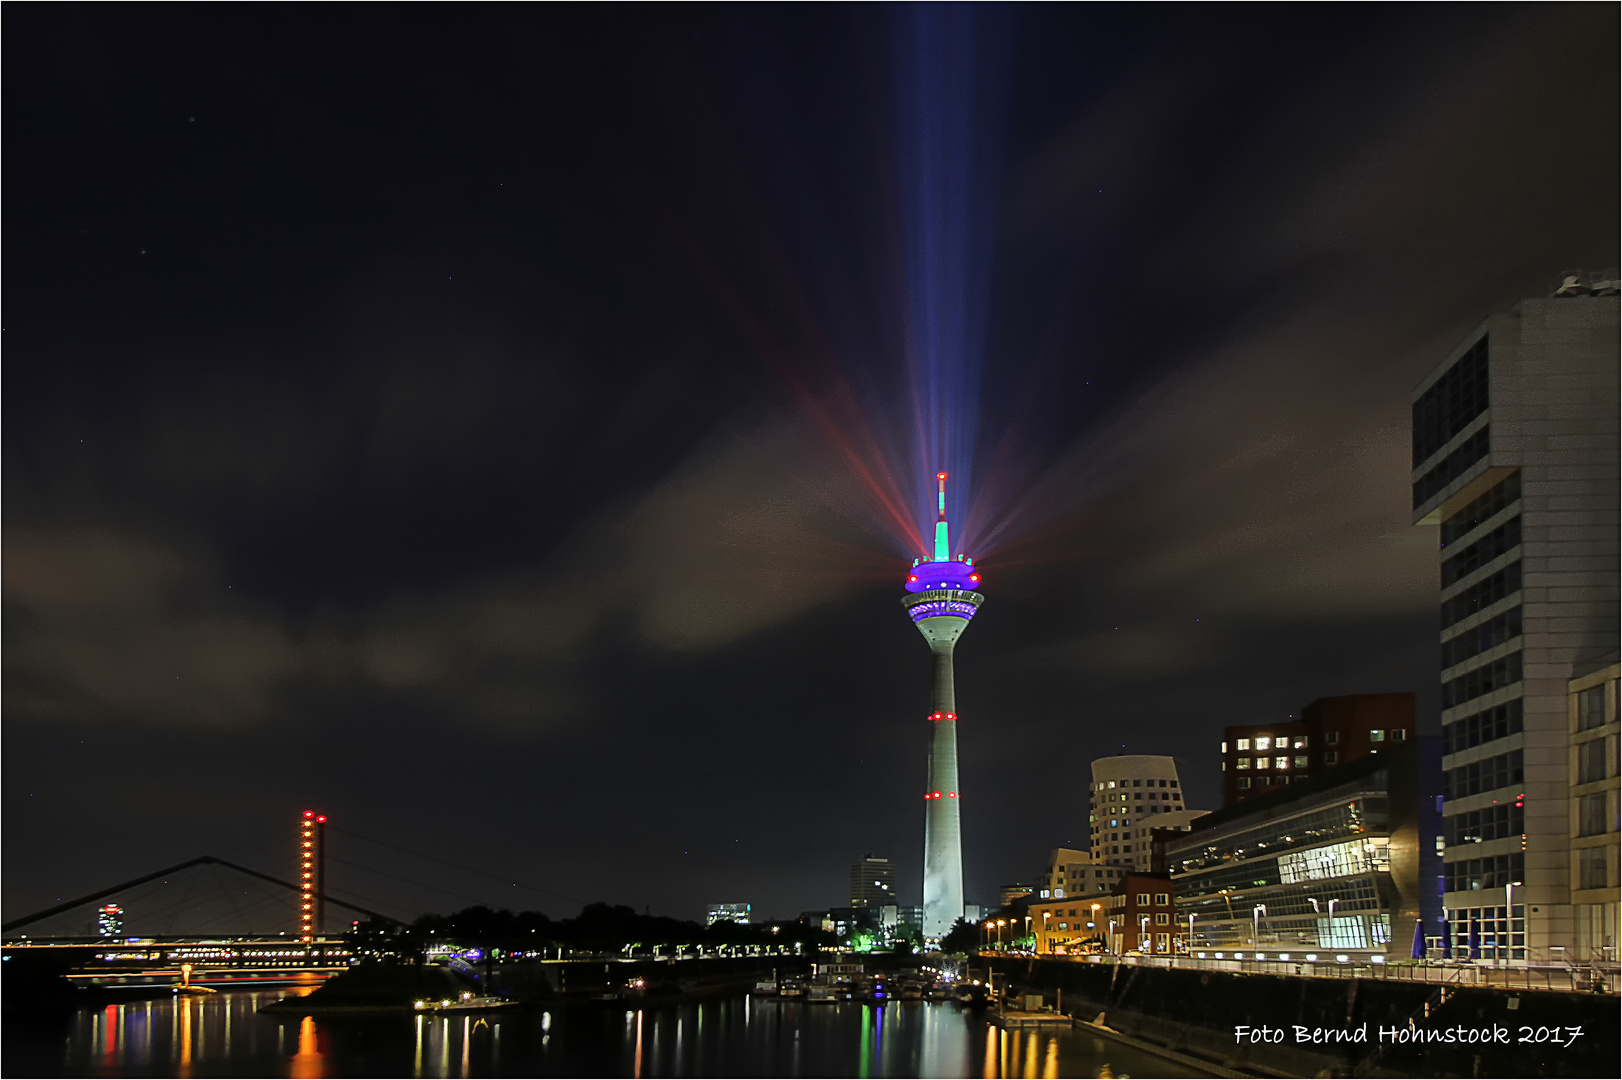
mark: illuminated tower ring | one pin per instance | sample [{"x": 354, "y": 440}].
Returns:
[{"x": 941, "y": 600}]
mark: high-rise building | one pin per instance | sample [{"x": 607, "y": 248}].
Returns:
[
  {"x": 726, "y": 912},
  {"x": 1331, "y": 731},
  {"x": 1132, "y": 794},
  {"x": 941, "y": 599},
  {"x": 110, "y": 921},
  {"x": 872, "y": 882},
  {"x": 1515, "y": 459}
]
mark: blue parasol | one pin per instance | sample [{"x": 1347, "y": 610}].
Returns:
[
  {"x": 1447, "y": 940},
  {"x": 1418, "y": 952}
]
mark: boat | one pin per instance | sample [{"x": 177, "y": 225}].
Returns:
[
  {"x": 467, "y": 1003},
  {"x": 877, "y": 990},
  {"x": 971, "y": 994},
  {"x": 911, "y": 991},
  {"x": 765, "y": 988},
  {"x": 818, "y": 994}
]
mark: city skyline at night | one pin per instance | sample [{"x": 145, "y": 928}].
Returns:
[{"x": 503, "y": 434}]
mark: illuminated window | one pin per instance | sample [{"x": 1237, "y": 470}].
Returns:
[
  {"x": 1224, "y": 746},
  {"x": 1242, "y": 763},
  {"x": 1243, "y": 744},
  {"x": 1264, "y": 742},
  {"x": 1376, "y": 735},
  {"x": 1397, "y": 734},
  {"x": 1300, "y": 761},
  {"x": 1281, "y": 763}
]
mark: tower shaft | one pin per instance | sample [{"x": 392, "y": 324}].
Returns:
[{"x": 943, "y": 843}]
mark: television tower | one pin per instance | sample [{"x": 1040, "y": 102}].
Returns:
[{"x": 941, "y": 601}]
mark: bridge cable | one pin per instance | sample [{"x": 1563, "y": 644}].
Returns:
[
  {"x": 200, "y": 860},
  {"x": 458, "y": 866},
  {"x": 408, "y": 881}
]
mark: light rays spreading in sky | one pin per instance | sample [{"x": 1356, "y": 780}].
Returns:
[{"x": 948, "y": 154}]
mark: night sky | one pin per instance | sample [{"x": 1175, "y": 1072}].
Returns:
[{"x": 495, "y": 426}]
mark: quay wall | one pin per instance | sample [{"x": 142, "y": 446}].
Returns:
[{"x": 1198, "y": 1012}]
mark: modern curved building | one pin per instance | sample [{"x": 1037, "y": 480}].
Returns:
[{"x": 941, "y": 598}]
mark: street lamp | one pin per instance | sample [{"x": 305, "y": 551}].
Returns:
[
  {"x": 1144, "y": 943},
  {"x": 1000, "y": 924},
  {"x": 1046, "y": 915},
  {"x": 1191, "y": 933}
]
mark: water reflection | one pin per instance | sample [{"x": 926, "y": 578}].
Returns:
[
  {"x": 226, "y": 1035},
  {"x": 307, "y": 1062}
]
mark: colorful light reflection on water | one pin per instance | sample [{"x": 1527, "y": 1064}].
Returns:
[{"x": 227, "y": 1035}]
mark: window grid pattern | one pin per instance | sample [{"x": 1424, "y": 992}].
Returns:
[
  {"x": 1491, "y": 872},
  {"x": 1353, "y": 817},
  {"x": 1498, "y": 722},
  {"x": 1492, "y": 823},
  {"x": 1478, "y": 776},
  {"x": 1502, "y": 672},
  {"x": 1451, "y": 403},
  {"x": 1482, "y": 595},
  {"x": 1500, "y": 934},
  {"x": 1501, "y": 495},
  {"x": 1482, "y": 552},
  {"x": 1478, "y": 639},
  {"x": 1453, "y": 466}
]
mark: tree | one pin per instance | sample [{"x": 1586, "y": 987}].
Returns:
[{"x": 963, "y": 937}]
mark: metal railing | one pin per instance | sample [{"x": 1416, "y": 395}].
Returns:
[{"x": 1597, "y": 978}]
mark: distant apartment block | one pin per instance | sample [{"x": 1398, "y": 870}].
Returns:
[
  {"x": 872, "y": 882},
  {"x": 1330, "y": 732},
  {"x": 1515, "y": 461}
]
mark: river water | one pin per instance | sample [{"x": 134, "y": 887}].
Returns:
[{"x": 226, "y": 1035}]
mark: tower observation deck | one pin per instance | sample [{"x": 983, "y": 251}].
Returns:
[{"x": 941, "y": 599}]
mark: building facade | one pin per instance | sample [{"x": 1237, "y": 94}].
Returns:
[
  {"x": 1137, "y": 914},
  {"x": 1074, "y": 873},
  {"x": 1515, "y": 460},
  {"x": 1130, "y": 793},
  {"x": 1333, "y": 863},
  {"x": 872, "y": 882},
  {"x": 726, "y": 912},
  {"x": 1140, "y": 915},
  {"x": 1594, "y": 791},
  {"x": 1330, "y": 732}
]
